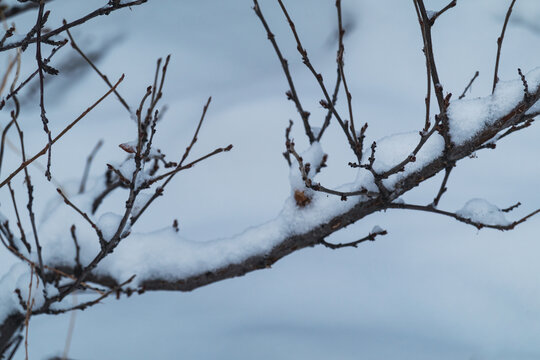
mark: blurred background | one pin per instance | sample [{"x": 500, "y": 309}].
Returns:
[{"x": 431, "y": 289}]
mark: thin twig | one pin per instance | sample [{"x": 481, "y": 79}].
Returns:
[
  {"x": 54, "y": 270},
  {"x": 15, "y": 10},
  {"x": 370, "y": 237},
  {"x": 411, "y": 158},
  {"x": 93, "y": 66},
  {"x": 62, "y": 133},
  {"x": 84, "y": 305},
  {"x": 450, "y": 5},
  {"x": 317, "y": 186},
  {"x": 14, "y": 91},
  {"x": 85, "y": 216},
  {"x": 425, "y": 26},
  {"x": 73, "y": 230},
  {"x": 478, "y": 225},
  {"x": 469, "y": 85},
  {"x": 105, "y": 10},
  {"x": 187, "y": 166},
  {"x": 510, "y": 208},
  {"x": 10, "y": 66},
  {"x": 443, "y": 188},
  {"x": 17, "y": 342},
  {"x": 71, "y": 328},
  {"x": 89, "y": 160},
  {"x": 499, "y": 46},
  {"x": 41, "y": 70},
  {"x": 329, "y": 113},
  {"x": 291, "y": 94},
  {"x": 29, "y": 306},
  {"x": 341, "y": 65},
  {"x": 30, "y": 190},
  {"x": 327, "y": 102},
  {"x": 19, "y": 223}
]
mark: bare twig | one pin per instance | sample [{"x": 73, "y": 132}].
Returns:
[
  {"x": 87, "y": 304},
  {"x": 450, "y": 5},
  {"x": 16, "y": 343},
  {"x": 53, "y": 270},
  {"x": 94, "y": 67},
  {"x": 499, "y": 46},
  {"x": 510, "y": 208},
  {"x": 184, "y": 167},
  {"x": 71, "y": 328},
  {"x": 425, "y": 26},
  {"x": 443, "y": 188},
  {"x": 62, "y": 133},
  {"x": 179, "y": 167},
  {"x": 73, "y": 230},
  {"x": 85, "y": 216},
  {"x": 341, "y": 50},
  {"x": 526, "y": 93},
  {"x": 42, "y": 67},
  {"x": 329, "y": 113},
  {"x": 286, "y": 154},
  {"x": 10, "y": 67},
  {"x": 478, "y": 225},
  {"x": 29, "y": 305},
  {"x": 412, "y": 157},
  {"x": 196, "y": 134},
  {"x": 317, "y": 186},
  {"x": 469, "y": 85},
  {"x": 89, "y": 160},
  {"x": 14, "y": 91},
  {"x": 327, "y": 102},
  {"x": 105, "y": 10},
  {"x": 19, "y": 223},
  {"x": 30, "y": 189},
  {"x": 370, "y": 237},
  {"x": 291, "y": 94},
  {"x": 14, "y": 10},
  {"x": 3, "y": 142}
]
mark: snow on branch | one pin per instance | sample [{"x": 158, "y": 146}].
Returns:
[
  {"x": 79, "y": 251},
  {"x": 468, "y": 117}
]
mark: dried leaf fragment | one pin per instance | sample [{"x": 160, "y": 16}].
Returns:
[{"x": 301, "y": 198}]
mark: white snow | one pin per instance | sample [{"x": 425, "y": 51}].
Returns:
[
  {"x": 108, "y": 224},
  {"x": 127, "y": 168},
  {"x": 167, "y": 255},
  {"x": 164, "y": 253},
  {"x": 140, "y": 201},
  {"x": 18, "y": 277},
  {"x": 392, "y": 150},
  {"x": 534, "y": 109},
  {"x": 482, "y": 211},
  {"x": 462, "y": 326},
  {"x": 467, "y": 117},
  {"x": 313, "y": 156}
]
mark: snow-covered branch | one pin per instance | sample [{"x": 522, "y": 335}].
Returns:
[{"x": 100, "y": 253}]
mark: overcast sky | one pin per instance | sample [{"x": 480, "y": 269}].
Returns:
[{"x": 431, "y": 289}]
